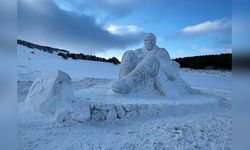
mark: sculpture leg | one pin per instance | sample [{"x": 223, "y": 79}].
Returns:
[
  {"x": 129, "y": 62},
  {"x": 147, "y": 68}
]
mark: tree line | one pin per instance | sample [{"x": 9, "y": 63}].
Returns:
[
  {"x": 39, "y": 47},
  {"x": 66, "y": 54},
  {"x": 219, "y": 61},
  {"x": 81, "y": 56}
]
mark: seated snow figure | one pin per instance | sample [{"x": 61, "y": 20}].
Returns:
[{"x": 149, "y": 65}]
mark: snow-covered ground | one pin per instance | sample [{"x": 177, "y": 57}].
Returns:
[{"x": 210, "y": 129}]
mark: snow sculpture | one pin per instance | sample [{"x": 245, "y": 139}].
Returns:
[
  {"x": 51, "y": 92},
  {"x": 148, "y": 67}
]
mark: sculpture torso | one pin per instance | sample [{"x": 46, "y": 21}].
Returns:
[{"x": 160, "y": 53}]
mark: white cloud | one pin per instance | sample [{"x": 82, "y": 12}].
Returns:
[
  {"x": 229, "y": 50},
  {"x": 217, "y": 32},
  {"x": 112, "y": 29},
  {"x": 208, "y": 51},
  {"x": 100, "y": 9},
  {"x": 110, "y": 53},
  {"x": 205, "y": 50},
  {"x": 208, "y": 27},
  {"x": 123, "y": 29},
  {"x": 56, "y": 27}
]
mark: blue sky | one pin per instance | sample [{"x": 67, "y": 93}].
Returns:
[{"x": 110, "y": 27}]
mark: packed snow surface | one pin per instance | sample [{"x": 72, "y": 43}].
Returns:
[{"x": 198, "y": 121}]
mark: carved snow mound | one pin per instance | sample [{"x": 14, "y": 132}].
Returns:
[{"x": 51, "y": 91}]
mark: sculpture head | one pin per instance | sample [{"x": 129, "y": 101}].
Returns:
[{"x": 149, "y": 41}]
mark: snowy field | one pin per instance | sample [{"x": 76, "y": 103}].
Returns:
[{"x": 194, "y": 128}]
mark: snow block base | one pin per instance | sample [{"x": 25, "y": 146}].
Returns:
[
  {"x": 105, "y": 105},
  {"x": 109, "y": 112}
]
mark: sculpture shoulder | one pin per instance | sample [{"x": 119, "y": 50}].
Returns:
[
  {"x": 138, "y": 51},
  {"x": 162, "y": 52}
]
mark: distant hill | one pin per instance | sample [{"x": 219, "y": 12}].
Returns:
[
  {"x": 220, "y": 61},
  {"x": 66, "y": 54}
]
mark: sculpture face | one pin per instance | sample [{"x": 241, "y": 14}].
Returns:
[{"x": 149, "y": 41}]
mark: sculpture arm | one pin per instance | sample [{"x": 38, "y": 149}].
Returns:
[{"x": 167, "y": 64}]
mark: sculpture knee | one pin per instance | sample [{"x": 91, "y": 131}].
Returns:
[
  {"x": 129, "y": 62},
  {"x": 151, "y": 64}
]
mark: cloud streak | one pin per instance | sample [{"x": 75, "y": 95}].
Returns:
[
  {"x": 219, "y": 30},
  {"x": 44, "y": 22},
  {"x": 123, "y": 29},
  {"x": 208, "y": 27},
  {"x": 102, "y": 8}
]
